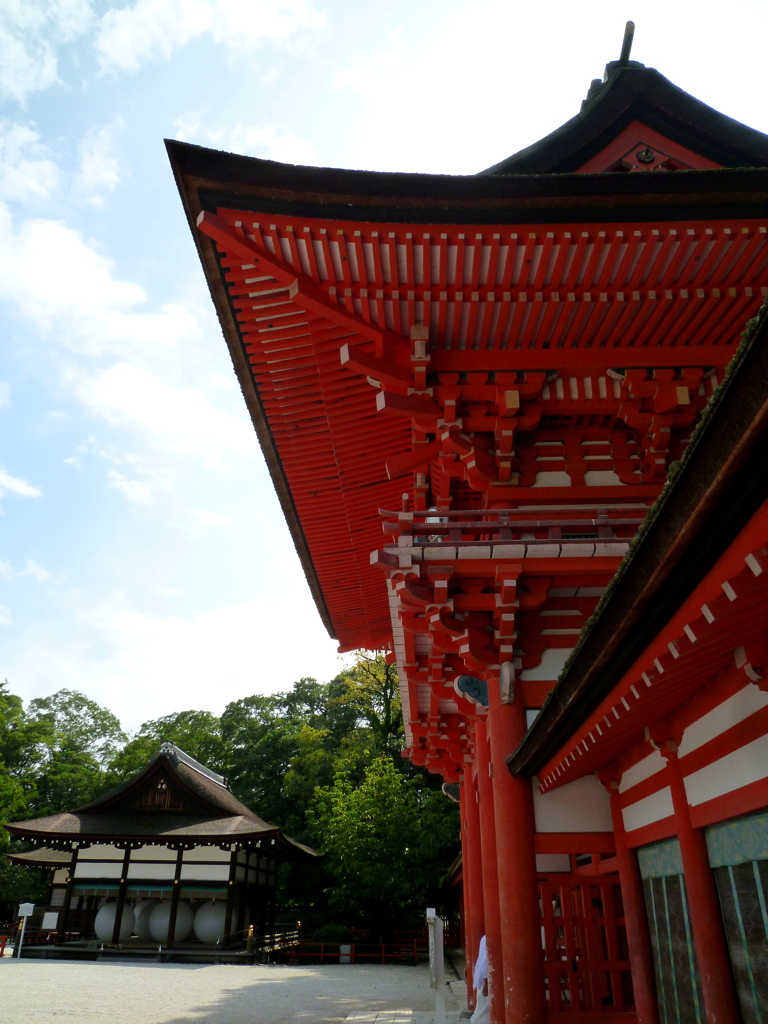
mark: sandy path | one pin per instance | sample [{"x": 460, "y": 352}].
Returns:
[{"x": 70, "y": 992}]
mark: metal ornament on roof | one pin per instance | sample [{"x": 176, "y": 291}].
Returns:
[{"x": 507, "y": 682}]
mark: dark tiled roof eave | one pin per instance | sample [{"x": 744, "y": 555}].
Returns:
[
  {"x": 640, "y": 94},
  {"x": 105, "y": 826}
]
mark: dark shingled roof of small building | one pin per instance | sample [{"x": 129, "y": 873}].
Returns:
[{"x": 213, "y": 814}]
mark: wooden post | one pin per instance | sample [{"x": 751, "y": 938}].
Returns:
[
  {"x": 522, "y": 958},
  {"x": 703, "y": 904},
  {"x": 230, "y": 897},
  {"x": 175, "y": 895},
  {"x": 61, "y": 932},
  {"x": 474, "y": 917},
  {"x": 635, "y": 914},
  {"x": 491, "y": 909},
  {"x": 121, "y": 896}
]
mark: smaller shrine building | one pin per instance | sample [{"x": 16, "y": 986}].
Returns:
[{"x": 169, "y": 856}]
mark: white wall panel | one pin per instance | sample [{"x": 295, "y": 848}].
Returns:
[
  {"x": 748, "y": 764},
  {"x": 154, "y": 853},
  {"x": 101, "y": 852},
  {"x": 651, "y": 808},
  {"x": 642, "y": 770},
  {"x": 107, "y": 869},
  {"x": 205, "y": 872},
  {"x": 738, "y": 707},
  {"x": 550, "y": 666},
  {"x": 159, "y": 872},
  {"x": 580, "y": 806},
  {"x": 551, "y": 862}
]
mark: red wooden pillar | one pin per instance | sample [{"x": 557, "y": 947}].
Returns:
[
  {"x": 474, "y": 916},
  {"x": 522, "y": 956},
  {"x": 491, "y": 910},
  {"x": 635, "y": 915},
  {"x": 703, "y": 904}
]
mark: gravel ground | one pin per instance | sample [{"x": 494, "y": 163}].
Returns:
[{"x": 70, "y": 992}]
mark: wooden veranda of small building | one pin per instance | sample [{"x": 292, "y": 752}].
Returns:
[
  {"x": 173, "y": 839},
  {"x": 470, "y": 391}
]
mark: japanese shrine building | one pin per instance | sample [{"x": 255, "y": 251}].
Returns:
[
  {"x": 170, "y": 855},
  {"x": 470, "y": 391}
]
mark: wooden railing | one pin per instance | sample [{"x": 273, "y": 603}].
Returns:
[
  {"x": 351, "y": 953},
  {"x": 472, "y": 526}
]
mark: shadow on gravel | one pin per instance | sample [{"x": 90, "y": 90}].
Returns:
[{"x": 128, "y": 993}]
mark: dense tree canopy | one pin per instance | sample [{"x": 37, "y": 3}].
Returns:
[{"x": 320, "y": 760}]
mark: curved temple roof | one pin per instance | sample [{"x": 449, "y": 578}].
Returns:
[
  {"x": 545, "y": 242},
  {"x": 173, "y": 799}
]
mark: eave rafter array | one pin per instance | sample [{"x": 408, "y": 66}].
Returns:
[
  {"x": 559, "y": 368},
  {"x": 702, "y": 650}
]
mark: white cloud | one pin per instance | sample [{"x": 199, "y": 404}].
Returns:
[
  {"x": 26, "y": 173},
  {"x": 30, "y": 32},
  {"x": 136, "y": 491},
  {"x": 171, "y": 662},
  {"x": 31, "y": 568},
  {"x": 15, "y": 485},
  {"x": 253, "y": 140},
  {"x": 151, "y": 29},
  {"x": 206, "y": 518},
  {"x": 99, "y": 169},
  {"x": 5, "y": 616},
  {"x": 175, "y": 417},
  {"x": 283, "y": 146},
  {"x": 86, "y": 304}
]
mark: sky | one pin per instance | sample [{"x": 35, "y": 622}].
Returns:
[{"x": 144, "y": 559}]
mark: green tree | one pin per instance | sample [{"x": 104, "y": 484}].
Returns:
[
  {"x": 198, "y": 733},
  {"x": 260, "y": 742},
  {"x": 370, "y": 688},
  {"x": 81, "y": 739},
  {"x": 79, "y": 723},
  {"x": 388, "y": 842}
]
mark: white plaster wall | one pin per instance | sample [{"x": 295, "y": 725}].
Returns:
[
  {"x": 552, "y": 862},
  {"x": 549, "y": 478},
  {"x": 154, "y": 853},
  {"x": 206, "y": 853},
  {"x": 85, "y": 869},
  {"x": 601, "y": 478},
  {"x": 205, "y": 872},
  {"x": 580, "y": 806},
  {"x": 646, "y": 811},
  {"x": 550, "y": 666},
  {"x": 738, "y": 707},
  {"x": 642, "y": 770},
  {"x": 158, "y": 872},
  {"x": 748, "y": 764},
  {"x": 101, "y": 852}
]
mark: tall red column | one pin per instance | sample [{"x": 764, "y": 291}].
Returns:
[
  {"x": 522, "y": 956},
  {"x": 491, "y": 910},
  {"x": 635, "y": 915},
  {"x": 703, "y": 904},
  {"x": 474, "y": 916}
]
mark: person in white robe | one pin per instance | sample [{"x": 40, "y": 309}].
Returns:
[{"x": 482, "y": 1014}]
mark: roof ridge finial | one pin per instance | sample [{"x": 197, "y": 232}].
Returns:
[{"x": 626, "y": 46}]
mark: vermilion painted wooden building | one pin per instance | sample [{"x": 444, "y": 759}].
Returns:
[{"x": 470, "y": 392}]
